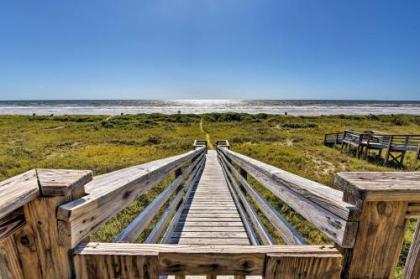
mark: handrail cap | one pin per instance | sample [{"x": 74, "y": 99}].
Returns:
[{"x": 381, "y": 186}]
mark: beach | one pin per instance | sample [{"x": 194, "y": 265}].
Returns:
[{"x": 290, "y": 107}]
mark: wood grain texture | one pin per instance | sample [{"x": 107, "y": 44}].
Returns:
[
  {"x": 322, "y": 195},
  {"x": 412, "y": 266},
  {"x": 196, "y": 259},
  {"x": 59, "y": 182},
  {"x": 384, "y": 199},
  {"x": 36, "y": 246},
  {"x": 379, "y": 240},
  {"x": 322, "y": 213},
  {"x": 10, "y": 267},
  {"x": 18, "y": 191},
  {"x": 108, "y": 194},
  {"x": 381, "y": 186},
  {"x": 11, "y": 222},
  {"x": 111, "y": 267},
  {"x": 295, "y": 266}
]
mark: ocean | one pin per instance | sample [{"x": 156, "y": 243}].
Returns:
[{"x": 291, "y": 107}]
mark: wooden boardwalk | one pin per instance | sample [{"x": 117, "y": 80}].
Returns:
[{"x": 210, "y": 215}]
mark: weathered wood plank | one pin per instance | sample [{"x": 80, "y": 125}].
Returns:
[
  {"x": 199, "y": 260},
  {"x": 211, "y": 187},
  {"x": 18, "y": 191},
  {"x": 318, "y": 210},
  {"x": 10, "y": 267},
  {"x": 110, "y": 193},
  {"x": 379, "y": 240},
  {"x": 52, "y": 256},
  {"x": 297, "y": 266},
  {"x": 111, "y": 267},
  {"x": 285, "y": 230},
  {"x": 35, "y": 250},
  {"x": 188, "y": 228},
  {"x": 11, "y": 222},
  {"x": 322, "y": 195},
  {"x": 209, "y": 234},
  {"x": 381, "y": 186},
  {"x": 213, "y": 223},
  {"x": 70, "y": 181},
  {"x": 412, "y": 266},
  {"x": 142, "y": 220}
]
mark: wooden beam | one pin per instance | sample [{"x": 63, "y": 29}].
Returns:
[
  {"x": 111, "y": 267},
  {"x": 195, "y": 259},
  {"x": 310, "y": 203},
  {"x": 69, "y": 181},
  {"x": 381, "y": 186},
  {"x": 296, "y": 266},
  {"x": 18, "y": 191},
  {"x": 109, "y": 193}
]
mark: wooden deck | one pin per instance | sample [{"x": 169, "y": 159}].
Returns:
[
  {"x": 210, "y": 215},
  {"x": 211, "y": 208}
]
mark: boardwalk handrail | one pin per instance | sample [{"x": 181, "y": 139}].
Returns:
[
  {"x": 83, "y": 216},
  {"x": 46, "y": 218},
  {"x": 367, "y": 219},
  {"x": 319, "y": 204}
]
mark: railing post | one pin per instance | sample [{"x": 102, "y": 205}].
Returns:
[
  {"x": 36, "y": 250},
  {"x": 383, "y": 199},
  {"x": 412, "y": 266}
]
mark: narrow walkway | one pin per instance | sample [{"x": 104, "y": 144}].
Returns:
[
  {"x": 210, "y": 216},
  {"x": 209, "y": 144}
]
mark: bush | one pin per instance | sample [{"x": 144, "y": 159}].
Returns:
[{"x": 298, "y": 125}]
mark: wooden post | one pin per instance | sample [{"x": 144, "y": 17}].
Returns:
[
  {"x": 383, "y": 199},
  {"x": 412, "y": 266},
  {"x": 35, "y": 250},
  {"x": 388, "y": 150}
]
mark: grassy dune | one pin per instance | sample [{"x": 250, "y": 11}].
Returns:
[{"x": 104, "y": 143}]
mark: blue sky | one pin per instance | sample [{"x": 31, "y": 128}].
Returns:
[{"x": 280, "y": 49}]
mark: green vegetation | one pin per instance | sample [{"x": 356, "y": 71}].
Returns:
[{"x": 104, "y": 143}]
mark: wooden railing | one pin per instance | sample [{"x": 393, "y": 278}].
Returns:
[
  {"x": 333, "y": 138},
  {"x": 47, "y": 217},
  {"x": 366, "y": 218}
]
